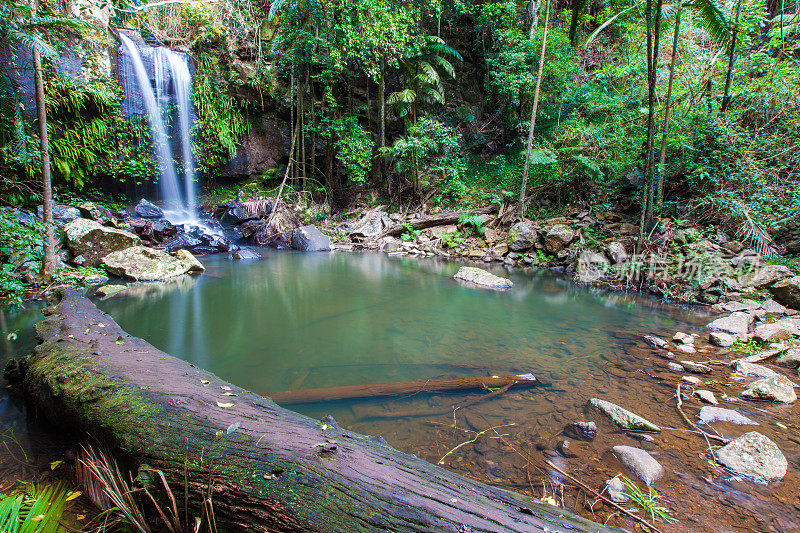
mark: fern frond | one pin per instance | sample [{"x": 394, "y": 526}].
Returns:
[{"x": 758, "y": 236}]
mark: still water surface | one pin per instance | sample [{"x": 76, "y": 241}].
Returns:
[{"x": 297, "y": 321}]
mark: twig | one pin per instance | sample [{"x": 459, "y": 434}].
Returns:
[
  {"x": 607, "y": 500},
  {"x": 477, "y": 436},
  {"x": 689, "y": 422}
]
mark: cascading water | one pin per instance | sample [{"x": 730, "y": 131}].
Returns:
[{"x": 171, "y": 82}]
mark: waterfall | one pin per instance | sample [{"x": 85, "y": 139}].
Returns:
[{"x": 171, "y": 82}]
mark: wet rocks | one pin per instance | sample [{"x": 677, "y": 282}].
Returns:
[
  {"x": 244, "y": 254},
  {"x": 95, "y": 212},
  {"x": 697, "y": 368},
  {"x": 640, "y": 463},
  {"x": 754, "y": 456},
  {"x": 691, "y": 380},
  {"x": 675, "y": 367},
  {"x": 558, "y": 237},
  {"x": 709, "y": 414},
  {"x": 146, "y": 209},
  {"x": 737, "y": 323},
  {"x": 790, "y": 358},
  {"x": 775, "y": 331},
  {"x": 655, "y": 342},
  {"x": 718, "y": 338},
  {"x": 90, "y": 242},
  {"x": 622, "y": 417},
  {"x": 776, "y": 388},
  {"x": 787, "y": 292},
  {"x": 478, "y": 276},
  {"x": 616, "y": 251},
  {"x": 706, "y": 396},
  {"x": 763, "y": 277},
  {"x": 189, "y": 260},
  {"x": 139, "y": 263},
  {"x": 106, "y": 291},
  {"x": 581, "y": 430},
  {"x": 743, "y": 368},
  {"x": 62, "y": 214},
  {"x": 522, "y": 236},
  {"x": 310, "y": 239},
  {"x": 615, "y": 489}
]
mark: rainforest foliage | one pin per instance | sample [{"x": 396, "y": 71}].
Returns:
[{"x": 430, "y": 101}]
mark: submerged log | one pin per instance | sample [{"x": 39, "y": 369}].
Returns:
[
  {"x": 439, "y": 219},
  {"x": 401, "y": 388},
  {"x": 269, "y": 469}
]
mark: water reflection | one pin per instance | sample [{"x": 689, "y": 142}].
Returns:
[{"x": 274, "y": 324}]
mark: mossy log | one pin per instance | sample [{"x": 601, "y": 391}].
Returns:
[{"x": 270, "y": 469}]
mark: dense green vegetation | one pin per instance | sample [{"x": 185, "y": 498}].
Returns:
[{"x": 430, "y": 101}]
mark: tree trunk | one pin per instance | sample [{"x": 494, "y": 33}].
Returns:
[
  {"x": 579, "y": 6},
  {"x": 430, "y": 221},
  {"x": 727, "y": 95},
  {"x": 663, "y": 156},
  {"x": 648, "y": 193},
  {"x": 521, "y": 205},
  {"x": 49, "y": 259},
  {"x": 269, "y": 469}
]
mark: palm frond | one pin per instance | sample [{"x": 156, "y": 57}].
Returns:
[
  {"x": 442, "y": 63},
  {"x": 608, "y": 23},
  {"x": 275, "y": 8},
  {"x": 758, "y": 236},
  {"x": 406, "y": 96},
  {"x": 32, "y": 42},
  {"x": 259, "y": 207},
  {"x": 714, "y": 19}
]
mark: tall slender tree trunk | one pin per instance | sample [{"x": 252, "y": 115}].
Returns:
[
  {"x": 49, "y": 260},
  {"x": 521, "y": 205},
  {"x": 653, "y": 27},
  {"x": 727, "y": 96},
  {"x": 663, "y": 155}
]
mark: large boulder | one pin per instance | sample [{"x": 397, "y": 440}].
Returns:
[
  {"x": 62, "y": 214},
  {"x": 776, "y": 388},
  {"x": 310, "y": 239},
  {"x": 478, "y": 276},
  {"x": 558, "y": 237},
  {"x": 147, "y": 209},
  {"x": 755, "y": 456},
  {"x": 764, "y": 276},
  {"x": 140, "y": 263},
  {"x": 787, "y": 292},
  {"x": 591, "y": 267},
  {"x": 737, "y": 323},
  {"x": 90, "y": 242},
  {"x": 95, "y": 212},
  {"x": 616, "y": 251},
  {"x": 522, "y": 236}
]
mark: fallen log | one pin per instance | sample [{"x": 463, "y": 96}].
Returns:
[
  {"x": 265, "y": 467},
  {"x": 401, "y": 388},
  {"x": 439, "y": 219}
]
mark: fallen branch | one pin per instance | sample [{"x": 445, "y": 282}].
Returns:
[
  {"x": 607, "y": 500},
  {"x": 436, "y": 412},
  {"x": 439, "y": 219},
  {"x": 477, "y": 436},
  {"x": 402, "y": 388}
]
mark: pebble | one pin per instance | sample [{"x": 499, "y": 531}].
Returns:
[
  {"x": 697, "y": 368},
  {"x": 709, "y": 414},
  {"x": 640, "y": 462},
  {"x": 706, "y": 396},
  {"x": 691, "y": 379},
  {"x": 655, "y": 341},
  {"x": 615, "y": 489},
  {"x": 675, "y": 367}
]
